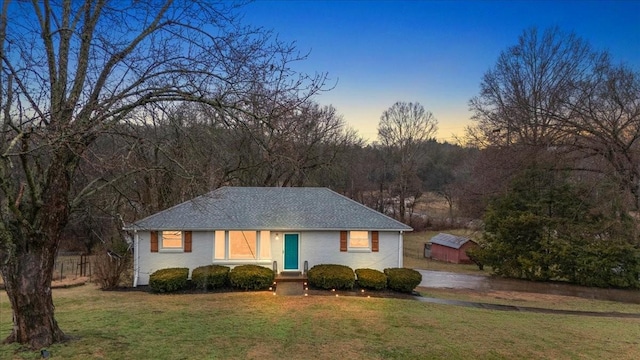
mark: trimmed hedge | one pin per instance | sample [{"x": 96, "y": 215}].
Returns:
[
  {"x": 251, "y": 277},
  {"x": 371, "y": 279},
  {"x": 402, "y": 279},
  {"x": 168, "y": 280},
  {"x": 210, "y": 277},
  {"x": 330, "y": 276}
]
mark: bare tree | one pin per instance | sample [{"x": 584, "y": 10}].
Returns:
[
  {"x": 603, "y": 128},
  {"x": 530, "y": 85},
  {"x": 74, "y": 70},
  {"x": 403, "y": 130},
  {"x": 553, "y": 94},
  {"x": 284, "y": 146}
]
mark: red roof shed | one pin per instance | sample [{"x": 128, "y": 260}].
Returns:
[{"x": 451, "y": 248}]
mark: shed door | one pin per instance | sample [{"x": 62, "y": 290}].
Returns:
[{"x": 291, "y": 251}]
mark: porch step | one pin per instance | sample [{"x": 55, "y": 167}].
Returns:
[
  {"x": 291, "y": 283},
  {"x": 291, "y": 276}
]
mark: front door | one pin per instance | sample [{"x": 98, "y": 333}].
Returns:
[{"x": 291, "y": 252}]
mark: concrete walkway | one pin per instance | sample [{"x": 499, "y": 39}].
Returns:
[{"x": 290, "y": 288}]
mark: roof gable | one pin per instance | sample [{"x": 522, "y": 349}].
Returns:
[
  {"x": 268, "y": 208},
  {"x": 449, "y": 240}
]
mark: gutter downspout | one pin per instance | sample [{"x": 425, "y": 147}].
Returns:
[
  {"x": 400, "y": 250},
  {"x": 136, "y": 255}
]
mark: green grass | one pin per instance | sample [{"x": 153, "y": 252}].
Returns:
[{"x": 238, "y": 325}]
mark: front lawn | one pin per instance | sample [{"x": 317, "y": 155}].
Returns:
[{"x": 139, "y": 325}]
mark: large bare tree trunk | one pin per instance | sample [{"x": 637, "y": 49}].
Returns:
[
  {"x": 28, "y": 272},
  {"x": 28, "y": 284}
]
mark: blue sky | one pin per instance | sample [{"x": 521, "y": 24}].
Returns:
[{"x": 432, "y": 52}]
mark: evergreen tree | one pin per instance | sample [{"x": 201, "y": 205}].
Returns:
[{"x": 545, "y": 228}]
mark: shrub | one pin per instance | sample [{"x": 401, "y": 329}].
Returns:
[
  {"x": 168, "y": 280},
  {"x": 251, "y": 277},
  {"x": 329, "y": 276},
  {"x": 210, "y": 277},
  {"x": 605, "y": 264},
  {"x": 371, "y": 279},
  {"x": 112, "y": 264},
  {"x": 403, "y": 280}
]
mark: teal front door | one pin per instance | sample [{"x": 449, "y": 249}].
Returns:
[{"x": 291, "y": 249}]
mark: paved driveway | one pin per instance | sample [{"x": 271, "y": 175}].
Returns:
[
  {"x": 443, "y": 279},
  {"x": 448, "y": 280}
]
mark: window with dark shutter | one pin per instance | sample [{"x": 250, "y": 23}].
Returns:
[
  {"x": 343, "y": 241},
  {"x": 154, "y": 241},
  {"x": 187, "y": 241},
  {"x": 375, "y": 244}
]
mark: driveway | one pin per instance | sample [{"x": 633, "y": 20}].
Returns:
[{"x": 448, "y": 280}]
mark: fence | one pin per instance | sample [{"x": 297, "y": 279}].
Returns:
[{"x": 73, "y": 266}]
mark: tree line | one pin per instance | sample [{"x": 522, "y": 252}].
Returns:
[{"x": 181, "y": 151}]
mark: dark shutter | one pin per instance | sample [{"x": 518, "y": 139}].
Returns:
[
  {"x": 187, "y": 241},
  {"x": 343, "y": 241},
  {"x": 154, "y": 241},
  {"x": 375, "y": 244}
]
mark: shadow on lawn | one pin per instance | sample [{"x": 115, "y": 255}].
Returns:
[{"x": 500, "y": 307}]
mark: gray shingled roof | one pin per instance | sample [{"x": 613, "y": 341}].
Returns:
[
  {"x": 263, "y": 208},
  {"x": 449, "y": 240}
]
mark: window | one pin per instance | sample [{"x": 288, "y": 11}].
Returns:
[
  {"x": 171, "y": 240},
  {"x": 358, "y": 239},
  {"x": 220, "y": 246},
  {"x": 265, "y": 244},
  {"x": 243, "y": 245}
]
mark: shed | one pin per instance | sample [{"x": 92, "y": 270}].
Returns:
[{"x": 451, "y": 248}]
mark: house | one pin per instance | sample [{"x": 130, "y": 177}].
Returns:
[
  {"x": 451, "y": 248},
  {"x": 283, "y": 228}
]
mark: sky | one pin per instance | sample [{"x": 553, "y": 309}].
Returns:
[{"x": 432, "y": 52}]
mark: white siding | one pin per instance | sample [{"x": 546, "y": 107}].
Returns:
[
  {"x": 323, "y": 247},
  {"x": 316, "y": 247},
  {"x": 201, "y": 254},
  {"x": 277, "y": 248}
]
